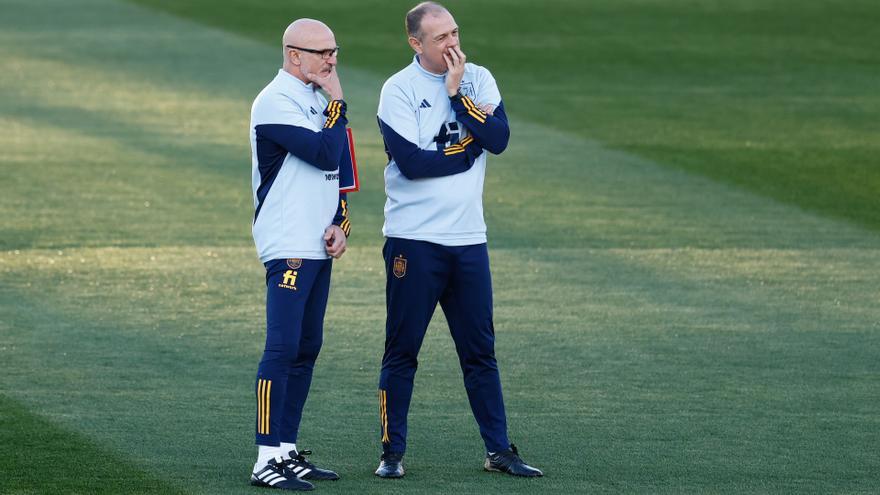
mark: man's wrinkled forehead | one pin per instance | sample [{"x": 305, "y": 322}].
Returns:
[
  {"x": 314, "y": 39},
  {"x": 324, "y": 40},
  {"x": 435, "y": 24}
]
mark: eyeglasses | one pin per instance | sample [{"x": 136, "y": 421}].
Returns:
[{"x": 325, "y": 54}]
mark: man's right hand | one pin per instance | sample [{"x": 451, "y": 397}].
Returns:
[
  {"x": 329, "y": 83},
  {"x": 455, "y": 60}
]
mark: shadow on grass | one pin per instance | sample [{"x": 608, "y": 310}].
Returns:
[{"x": 40, "y": 457}]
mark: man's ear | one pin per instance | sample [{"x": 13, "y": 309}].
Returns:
[{"x": 415, "y": 44}]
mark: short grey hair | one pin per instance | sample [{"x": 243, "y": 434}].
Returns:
[{"x": 416, "y": 14}]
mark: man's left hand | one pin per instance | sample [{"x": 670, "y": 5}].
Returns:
[{"x": 334, "y": 241}]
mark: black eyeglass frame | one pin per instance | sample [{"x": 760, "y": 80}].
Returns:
[{"x": 325, "y": 54}]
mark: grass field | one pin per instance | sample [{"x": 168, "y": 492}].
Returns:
[{"x": 684, "y": 235}]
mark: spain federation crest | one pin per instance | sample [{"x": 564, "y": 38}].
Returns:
[
  {"x": 467, "y": 89},
  {"x": 399, "y": 266}
]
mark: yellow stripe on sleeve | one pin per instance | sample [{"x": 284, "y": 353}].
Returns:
[
  {"x": 473, "y": 111},
  {"x": 476, "y": 117},
  {"x": 337, "y": 113},
  {"x": 469, "y": 104},
  {"x": 453, "y": 150},
  {"x": 330, "y": 110},
  {"x": 334, "y": 110}
]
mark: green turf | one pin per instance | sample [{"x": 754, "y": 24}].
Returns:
[
  {"x": 39, "y": 457},
  {"x": 658, "y": 332},
  {"x": 779, "y": 97}
]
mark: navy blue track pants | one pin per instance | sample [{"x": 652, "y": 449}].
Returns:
[
  {"x": 419, "y": 275},
  {"x": 296, "y": 298}
]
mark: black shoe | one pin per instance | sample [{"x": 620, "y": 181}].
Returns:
[
  {"x": 275, "y": 475},
  {"x": 391, "y": 466},
  {"x": 305, "y": 470},
  {"x": 508, "y": 461}
]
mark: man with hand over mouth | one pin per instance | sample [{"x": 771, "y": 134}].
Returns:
[{"x": 440, "y": 117}]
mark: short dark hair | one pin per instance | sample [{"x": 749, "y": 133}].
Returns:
[{"x": 416, "y": 14}]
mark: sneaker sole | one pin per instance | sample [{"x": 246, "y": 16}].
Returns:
[
  {"x": 496, "y": 470},
  {"x": 390, "y": 476},
  {"x": 309, "y": 478},
  {"x": 262, "y": 484}
]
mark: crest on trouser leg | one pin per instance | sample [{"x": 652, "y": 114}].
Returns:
[{"x": 399, "y": 267}]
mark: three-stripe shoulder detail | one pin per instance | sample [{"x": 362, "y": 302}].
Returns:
[{"x": 334, "y": 110}]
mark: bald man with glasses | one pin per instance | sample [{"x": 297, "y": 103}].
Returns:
[
  {"x": 325, "y": 54},
  {"x": 300, "y": 224}
]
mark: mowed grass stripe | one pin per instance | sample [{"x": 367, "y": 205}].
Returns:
[
  {"x": 677, "y": 371},
  {"x": 599, "y": 196},
  {"x": 554, "y": 189},
  {"x": 67, "y": 188},
  {"x": 146, "y": 90},
  {"x": 40, "y": 458},
  {"x": 761, "y": 95}
]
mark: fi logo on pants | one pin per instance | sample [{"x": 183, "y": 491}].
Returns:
[{"x": 289, "y": 280}]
